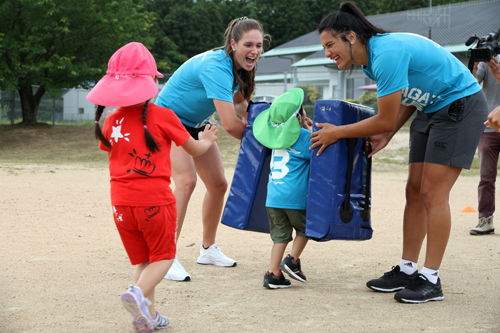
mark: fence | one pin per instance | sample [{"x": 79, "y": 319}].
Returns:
[{"x": 70, "y": 105}]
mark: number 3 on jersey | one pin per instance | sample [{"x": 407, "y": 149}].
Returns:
[{"x": 278, "y": 164}]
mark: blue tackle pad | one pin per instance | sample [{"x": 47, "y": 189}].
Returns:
[
  {"x": 338, "y": 204},
  {"x": 246, "y": 203},
  {"x": 328, "y": 217}
]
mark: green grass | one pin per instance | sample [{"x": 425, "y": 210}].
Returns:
[{"x": 73, "y": 144}]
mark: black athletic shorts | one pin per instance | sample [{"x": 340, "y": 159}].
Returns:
[{"x": 194, "y": 131}]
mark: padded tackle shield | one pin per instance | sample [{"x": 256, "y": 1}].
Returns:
[
  {"x": 338, "y": 205},
  {"x": 246, "y": 203}
]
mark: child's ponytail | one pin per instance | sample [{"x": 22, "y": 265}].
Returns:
[
  {"x": 150, "y": 141},
  {"x": 97, "y": 128}
]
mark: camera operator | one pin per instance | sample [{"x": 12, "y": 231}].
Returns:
[{"x": 488, "y": 73}]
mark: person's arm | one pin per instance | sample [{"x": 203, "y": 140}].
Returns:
[
  {"x": 494, "y": 119},
  {"x": 379, "y": 141},
  {"x": 240, "y": 104},
  {"x": 230, "y": 122},
  {"x": 494, "y": 68},
  {"x": 387, "y": 120},
  {"x": 206, "y": 139},
  {"x": 474, "y": 72}
]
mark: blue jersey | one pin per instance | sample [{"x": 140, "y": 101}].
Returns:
[
  {"x": 429, "y": 76},
  {"x": 289, "y": 176},
  {"x": 193, "y": 87}
]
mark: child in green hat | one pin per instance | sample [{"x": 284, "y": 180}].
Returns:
[{"x": 286, "y": 130}]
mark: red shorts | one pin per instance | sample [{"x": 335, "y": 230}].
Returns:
[{"x": 148, "y": 233}]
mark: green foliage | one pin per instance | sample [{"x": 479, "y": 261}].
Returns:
[
  {"x": 311, "y": 93},
  {"x": 55, "y": 44},
  {"x": 355, "y": 101},
  {"x": 369, "y": 98}
]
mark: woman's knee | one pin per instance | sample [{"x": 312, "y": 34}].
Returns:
[
  {"x": 413, "y": 192},
  {"x": 185, "y": 184},
  {"x": 218, "y": 186}
]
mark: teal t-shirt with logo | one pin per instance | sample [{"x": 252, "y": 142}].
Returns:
[{"x": 429, "y": 76}]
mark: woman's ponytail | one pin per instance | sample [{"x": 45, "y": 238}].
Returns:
[
  {"x": 349, "y": 18},
  {"x": 97, "y": 128}
]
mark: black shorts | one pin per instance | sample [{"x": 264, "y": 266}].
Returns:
[
  {"x": 449, "y": 136},
  {"x": 194, "y": 131}
]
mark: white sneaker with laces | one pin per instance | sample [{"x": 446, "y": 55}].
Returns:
[
  {"x": 177, "y": 272},
  {"x": 484, "y": 226},
  {"x": 214, "y": 256}
]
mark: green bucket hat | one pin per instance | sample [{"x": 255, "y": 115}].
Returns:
[{"x": 278, "y": 126}]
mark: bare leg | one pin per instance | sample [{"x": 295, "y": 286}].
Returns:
[
  {"x": 437, "y": 182},
  {"x": 299, "y": 243},
  {"x": 415, "y": 217},
  {"x": 184, "y": 176},
  {"x": 148, "y": 276},
  {"x": 277, "y": 253},
  {"x": 211, "y": 171}
]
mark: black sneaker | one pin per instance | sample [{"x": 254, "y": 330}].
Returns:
[
  {"x": 391, "y": 281},
  {"x": 420, "y": 290},
  {"x": 292, "y": 268},
  {"x": 272, "y": 281}
]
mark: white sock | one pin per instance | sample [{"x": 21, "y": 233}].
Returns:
[
  {"x": 431, "y": 274},
  {"x": 408, "y": 267}
]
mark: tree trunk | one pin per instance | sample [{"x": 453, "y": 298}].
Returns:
[{"x": 30, "y": 102}]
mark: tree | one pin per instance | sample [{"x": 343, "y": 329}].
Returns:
[
  {"x": 369, "y": 98},
  {"x": 56, "y": 44}
]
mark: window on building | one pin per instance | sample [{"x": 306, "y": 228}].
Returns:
[{"x": 81, "y": 110}]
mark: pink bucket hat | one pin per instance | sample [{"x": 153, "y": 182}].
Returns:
[{"x": 128, "y": 78}]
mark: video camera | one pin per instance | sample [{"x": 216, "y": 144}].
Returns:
[{"x": 486, "y": 48}]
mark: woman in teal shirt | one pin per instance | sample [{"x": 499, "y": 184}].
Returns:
[
  {"x": 222, "y": 81},
  {"x": 412, "y": 73}
]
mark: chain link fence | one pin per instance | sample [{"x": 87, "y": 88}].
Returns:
[{"x": 68, "y": 106}]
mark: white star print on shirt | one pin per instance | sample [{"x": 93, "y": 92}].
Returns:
[{"x": 117, "y": 131}]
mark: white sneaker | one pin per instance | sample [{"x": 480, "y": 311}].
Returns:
[
  {"x": 484, "y": 226},
  {"x": 214, "y": 256},
  {"x": 177, "y": 272}
]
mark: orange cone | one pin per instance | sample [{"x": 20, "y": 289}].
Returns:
[{"x": 469, "y": 209}]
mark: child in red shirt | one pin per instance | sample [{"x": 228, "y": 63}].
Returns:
[{"x": 138, "y": 137}]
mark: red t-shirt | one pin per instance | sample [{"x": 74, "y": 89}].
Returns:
[{"x": 138, "y": 177}]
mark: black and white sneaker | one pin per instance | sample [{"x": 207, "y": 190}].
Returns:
[
  {"x": 272, "y": 281},
  {"x": 420, "y": 290},
  {"x": 292, "y": 268},
  {"x": 391, "y": 281}
]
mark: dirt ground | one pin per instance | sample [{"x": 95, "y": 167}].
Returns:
[{"x": 63, "y": 267}]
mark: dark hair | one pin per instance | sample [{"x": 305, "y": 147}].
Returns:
[
  {"x": 150, "y": 141},
  {"x": 235, "y": 31},
  {"x": 349, "y": 18}
]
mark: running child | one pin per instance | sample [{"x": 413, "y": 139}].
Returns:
[
  {"x": 285, "y": 128},
  {"x": 138, "y": 137}
]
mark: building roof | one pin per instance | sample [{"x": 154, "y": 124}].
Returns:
[{"x": 452, "y": 25}]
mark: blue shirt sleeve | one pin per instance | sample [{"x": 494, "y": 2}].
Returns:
[
  {"x": 390, "y": 70},
  {"x": 217, "y": 79}
]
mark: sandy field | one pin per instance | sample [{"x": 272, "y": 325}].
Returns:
[{"x": 63, "y": 267}]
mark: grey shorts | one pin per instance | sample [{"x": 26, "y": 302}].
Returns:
[
  {"x": 283, "y": 221},
  {"x": 449, "y": 136}
]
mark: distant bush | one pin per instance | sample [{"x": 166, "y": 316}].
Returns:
[
  {"x": 311, "y": 93},
  {"x": 369, "y": 98},
  {"x": 355, "y": 101}
]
